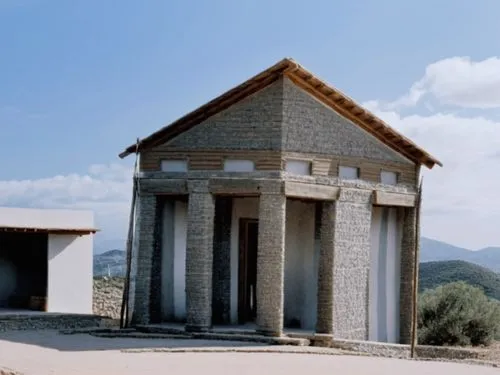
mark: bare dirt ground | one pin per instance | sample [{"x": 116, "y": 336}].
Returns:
[
  {"x": 492, "y": 353},
  {"x": 47, "y": 352}
]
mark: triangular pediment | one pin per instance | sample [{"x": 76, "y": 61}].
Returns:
[{"x": 379, "y": 137}]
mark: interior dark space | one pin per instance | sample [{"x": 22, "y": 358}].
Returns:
[{"x": 23, "y": 270}]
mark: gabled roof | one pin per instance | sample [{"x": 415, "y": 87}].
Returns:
[{"x": 329, "y": 95}]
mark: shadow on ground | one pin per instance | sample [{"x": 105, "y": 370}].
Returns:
[{"x": 84, "y": 342}]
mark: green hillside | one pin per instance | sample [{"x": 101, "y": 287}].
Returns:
[{"x": 433, "y": 274}]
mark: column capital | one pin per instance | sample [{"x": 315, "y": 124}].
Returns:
[
  {"x": 150, "y": 186},
  {"x": 353, "y": 195},
  {"x": 198, "y": 186},
  {"x": 272, "y": 187}
]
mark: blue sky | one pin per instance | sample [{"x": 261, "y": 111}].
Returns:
[{"x": 80, "y": 80}]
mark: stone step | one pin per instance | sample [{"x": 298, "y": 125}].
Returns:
[
  {"x": 154, "y": 328},
  {"x": 138, "y": 335},
  {"x": 96, "y": 330},
  {"x": 229, "y": 335},
  {"x": 284, "y": 340}
]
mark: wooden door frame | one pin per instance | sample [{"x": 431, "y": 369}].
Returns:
[{"x": 242, "y": 269}]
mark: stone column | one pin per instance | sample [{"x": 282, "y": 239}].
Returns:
[
  {"x": 324, "y": 322},
  {"x": 221, "y": 280},
  {"x": 199, "y": 257},
  {"x": 408, "y": 259},
  {"x": 353, "y": 212},
  {"x": 271, "y": 263},
  {"x": 146, "y": 232}
]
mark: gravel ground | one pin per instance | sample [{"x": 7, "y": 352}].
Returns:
[{"x": 47, "y": 352}]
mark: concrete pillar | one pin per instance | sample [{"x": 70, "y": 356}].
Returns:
[
  {"x": 271, "y": 263},
  {"x": 324, "y": 321},
  {"x": 353, "y": 212},
  {"x": 408, "y": 260},
  {"x": 145, "y": 223},
  {"x": 199, "y": 257}
]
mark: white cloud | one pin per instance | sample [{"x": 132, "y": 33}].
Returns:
[
  {"x": 461, "y": 204},
  {"x": 457, "y": 81},
  {"x": 105, "y": 189}
]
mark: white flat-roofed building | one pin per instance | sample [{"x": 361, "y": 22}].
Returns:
[{"x": 46, "y": 260}]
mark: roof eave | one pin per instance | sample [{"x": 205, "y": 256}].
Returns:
[{"x": 49, "y": 230}]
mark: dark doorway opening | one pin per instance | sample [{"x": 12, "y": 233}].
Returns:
[
  {"x": 23, "y": 270},
  {"x": 247, "y": 283}
]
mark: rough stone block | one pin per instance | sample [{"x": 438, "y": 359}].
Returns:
[
  {"x": 351, "y": 266},
  {"x": 408, "y": 260},
  {"x": 270, "y": 264},
  {"x": 199, "y": 260},
  {"x": 146, "y": 241},
  {"x": 324, "y": 322},
  {"x": 221, "y": 280}
]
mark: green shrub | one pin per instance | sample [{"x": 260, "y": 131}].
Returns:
[{"x": 457, "y": 314}]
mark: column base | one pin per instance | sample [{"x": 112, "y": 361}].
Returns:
[
  {"x": 196, "y": 329},
  {"x": 322, "y": 340},
  {"x": 268, "y": 333}
]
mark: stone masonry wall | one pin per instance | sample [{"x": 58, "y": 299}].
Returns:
[
  {"x": 146, "y": 223},
  {"x": 155, "y": 294},
  {"x": 271, "y": 263},
  {"x": 252, "y": 124},
  {"x": 310, "y": 126},
  {"x": 107, "y": 298},
  {"x": 407, "y": 274},
  {"x": 351, "y": 264},
  {"x": 325, "y": 316},
  {"x": 221, "y": 297},
  {"x": 199, "y": 257}
]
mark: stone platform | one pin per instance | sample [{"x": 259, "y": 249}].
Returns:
[
  {"x": 13, "y": 320},
  {"x": 231, "y": 333},
  {"x": 169, "y": 331}
]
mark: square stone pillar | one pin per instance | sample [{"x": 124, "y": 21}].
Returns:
[
  {"x": 146, "y": 216},
  {"x": 199, "y": 257},
  {"x": 221, "y": 280},
  {"x": 271, "y": 263},
  {"x": 351, "y": 261},
  {"x": 324, "y": 321},
  {"x": 408, "y": 259}
]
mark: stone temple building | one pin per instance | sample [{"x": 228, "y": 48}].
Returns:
[{"x": 281, "y": 204}]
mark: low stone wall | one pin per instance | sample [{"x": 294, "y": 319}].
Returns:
[
  {"x": 434, "y": 352},
  {"x": 373, "y": 348},
  {"x": 18, "y": 322},
  {"x": 403, "y": 351},
  {"x": 108, "y": 293}
]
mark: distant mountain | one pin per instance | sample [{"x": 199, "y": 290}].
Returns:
[
  {"x": 432, "y": 250},
  {"x": 434, "y": 274},
  {"x": 103, "y": 245},
  {"x": 110, "y": 263}
]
